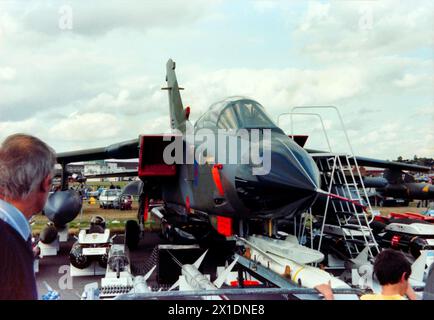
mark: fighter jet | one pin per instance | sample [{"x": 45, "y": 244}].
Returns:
[
  {"x": 215, "y": 192},
  {"x": 209, "y": 193}
]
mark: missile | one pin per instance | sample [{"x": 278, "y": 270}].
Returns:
[
  {"x": 140, "y": 284},
  {"x": 288, "y": 248},
  {"x": 286, "y": 258},
  {"x": 192, "y": 279}
]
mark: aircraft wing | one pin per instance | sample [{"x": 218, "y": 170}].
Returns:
[
  {"x": 129, "y": 173},
  {"x": 149, "y": 149},
  {"x": 376, "y": 163},
  {"x": 122, "y": 150}
]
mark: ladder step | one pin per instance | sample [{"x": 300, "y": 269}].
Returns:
[
  {"x": 336, "y": 199},
  {"x": 355, "y": 227},
  {"x": 354, "y": 199},
  {"x": 354, "y": 221},
  {"x": 358, "y": 241},
  {"x": 348, "y": 213}
]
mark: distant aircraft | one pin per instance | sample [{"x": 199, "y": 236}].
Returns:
[
  {"x": 402, "y": 185},
  {"x": 399, "y": 185},
  {"x": 395, "y": 184},
  {"x": 201, "y": 198}
]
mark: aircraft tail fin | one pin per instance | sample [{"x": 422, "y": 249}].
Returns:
[
  {"x": 178, "y": 116},
  {"x": 221, "y": 279}
]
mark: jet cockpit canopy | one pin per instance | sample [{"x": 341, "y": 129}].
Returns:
[{"x": 236, "y": 113}]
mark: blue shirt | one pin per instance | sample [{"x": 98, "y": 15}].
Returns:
[
  {"x": 17, "y": 277},
  {"x": 15, "y": 218}
]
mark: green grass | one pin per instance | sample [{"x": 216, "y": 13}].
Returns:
[
  {"x": 115, "y": 219},
  {"x": 115, "y": 227}
]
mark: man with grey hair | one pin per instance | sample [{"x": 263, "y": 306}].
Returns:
[{"x": 26, "y": 172}]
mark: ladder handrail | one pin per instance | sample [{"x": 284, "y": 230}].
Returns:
[
  {"x": 339, "y": 116},
  {"x": 332, "y": 182},
  {"x": 341, "y": 170},
  {"x": 354, "y": 207},
  {"x": 306, "y": 114},
  {"x": 337, "y": 169},
  {"x": 326, "y": 207},
  {"x": 349, "y": 144}
]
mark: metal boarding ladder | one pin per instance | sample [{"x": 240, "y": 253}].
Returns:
[
  {"x": 338, "y": 175},
  {"x": 341, "y": 172}
]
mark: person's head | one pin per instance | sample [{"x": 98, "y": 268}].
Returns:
[
  {"x": 391, "y": 267},
  {"x": 26, "y": 171}
]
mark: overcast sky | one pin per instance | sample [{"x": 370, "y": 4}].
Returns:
[{"x": 82, "y": 74}]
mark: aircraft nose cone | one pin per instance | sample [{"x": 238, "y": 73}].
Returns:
[
  {"x": 291, "y": 166},
  {"x": 290, "y": 186}
]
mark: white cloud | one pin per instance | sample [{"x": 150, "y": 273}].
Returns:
[
  {"x": 99, "y": 17},
  {"x": 427, "y": 111},
  {"x": 84, "y": 126},
  {"x": 7, "y": 74},
  {"x": 316, "y": 13},
  {"x": 264, "y": 5},
  {"x": 277, "y": 90},
  {"x": 364, "y": 29},
  {"x": 410, "y": 80},
  {"x": 400, "y": 138},
  {"x": 30, "y": 126},
  {"x": 100, "y": 82}
]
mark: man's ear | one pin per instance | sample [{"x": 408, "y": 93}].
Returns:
[
  {"x": 404, "y": 277},
  {"x": 46, "y": 184}
]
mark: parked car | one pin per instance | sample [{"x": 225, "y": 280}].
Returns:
[
  {"x": 108, "y": 198},
  {"x": 124, "y": 202}
]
